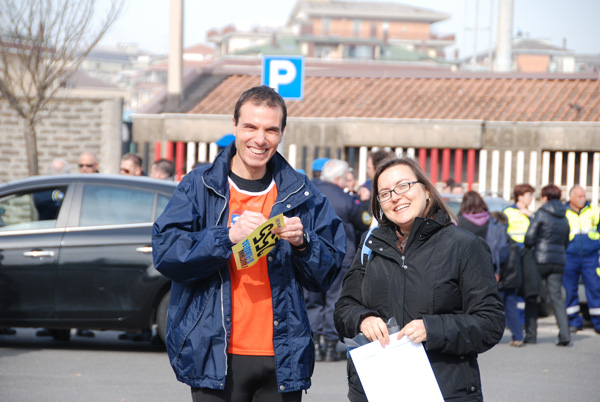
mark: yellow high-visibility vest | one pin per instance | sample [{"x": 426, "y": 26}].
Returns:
[
  {"x": 517, "y": 224},
  {"x": 584, "y": 223}
]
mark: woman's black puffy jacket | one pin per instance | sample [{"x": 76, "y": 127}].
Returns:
[
  {"x": 548, "y": 234},
  {"x": 444, "y": 277}
]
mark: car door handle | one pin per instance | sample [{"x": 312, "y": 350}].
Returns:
[
  {"x": 145, "y": 249},
  {"x": 39, "y": 253}
]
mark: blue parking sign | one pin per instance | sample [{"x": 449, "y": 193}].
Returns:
[{"x": 285, "y": 74}]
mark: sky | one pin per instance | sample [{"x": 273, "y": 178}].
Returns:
[{"x": 146, "y": 22}]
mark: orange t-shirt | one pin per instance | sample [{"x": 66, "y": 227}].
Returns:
[{"x": 252, "y": 304}]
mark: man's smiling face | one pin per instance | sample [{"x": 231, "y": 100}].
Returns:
[{"x": 257, "y": 135}]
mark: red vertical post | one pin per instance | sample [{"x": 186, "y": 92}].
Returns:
[
  {"x": 433, "y": 165},
  {"x": 445, "y": 164},
  {"x": 157, "y": 147},
  {"x": 470, "y": 168},
  {"x": 169, "y": 151},
  {"x": 179, "y": 160},
  {"x": 458, "y": 162},
  {"x": 423, "y": 159}
]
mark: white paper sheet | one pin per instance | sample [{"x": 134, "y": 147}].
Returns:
[{"x": 398, "y": 372}]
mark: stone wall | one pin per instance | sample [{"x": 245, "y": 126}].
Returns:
[{"x": 73, "y": 126}]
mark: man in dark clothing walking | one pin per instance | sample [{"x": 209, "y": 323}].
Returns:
[{"x": 356, "y": 219}]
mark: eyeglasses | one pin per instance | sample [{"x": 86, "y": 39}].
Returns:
[
  {"x": 401, "y": 188},
  {"x": 83, "y": 165}
]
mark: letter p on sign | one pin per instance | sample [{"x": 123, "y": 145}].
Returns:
[{"x": 285, "y": 74}]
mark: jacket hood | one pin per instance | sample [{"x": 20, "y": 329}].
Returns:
[{"x": 554, "y": 207}]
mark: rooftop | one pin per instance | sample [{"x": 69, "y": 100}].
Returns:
[
  {"x": 386, "y": 11},
  {"x": 510, "y": 97}
]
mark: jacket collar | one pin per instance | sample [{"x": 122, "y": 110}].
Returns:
[
  {"x": 286, "y": 178},
  {"x": 422, "y": 230},
  {"x": 568, "y": 207}
]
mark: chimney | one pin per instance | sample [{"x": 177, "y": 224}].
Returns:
[
  {"x": 175, "y": 72},
  {"x": 504, "y": 45}
]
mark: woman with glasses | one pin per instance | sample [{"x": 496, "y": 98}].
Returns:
[{"x": 434, "y": 278}]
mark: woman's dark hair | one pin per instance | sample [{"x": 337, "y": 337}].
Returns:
[
  {"x": 472, "y": 203},
  {"x": 551, "y": 192},
  {"x": 435, "y": 204},
  {"x": 261, "y": 95},
  {"x": 521, "y": 189}
]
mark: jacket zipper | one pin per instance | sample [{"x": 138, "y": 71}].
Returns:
[{"x": 221, "y": 278}]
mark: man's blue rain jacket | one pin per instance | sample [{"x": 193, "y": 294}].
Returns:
[{"x": 191, "y": 246}]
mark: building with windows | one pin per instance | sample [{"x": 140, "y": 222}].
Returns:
[{"x": 336, "y": 29}]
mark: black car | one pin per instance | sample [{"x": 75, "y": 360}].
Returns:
[{"x": 76, "y": 252}]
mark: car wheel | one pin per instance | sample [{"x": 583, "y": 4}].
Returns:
[
  {"x": 60, "y": 334},
  {"x": 161, "y": 316}
]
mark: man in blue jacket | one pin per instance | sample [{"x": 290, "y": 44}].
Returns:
[{"x": 239, "y": 334}]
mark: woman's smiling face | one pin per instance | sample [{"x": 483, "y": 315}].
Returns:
[{"x": 404, "y": 208}]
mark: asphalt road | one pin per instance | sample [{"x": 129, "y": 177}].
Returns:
[{"x": 105, "y": 369}]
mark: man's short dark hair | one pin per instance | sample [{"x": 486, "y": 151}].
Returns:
[
  {"x": 551, "y": 192},
  {"x": 261, "y": 95},
  {"x": 165, "y": 166},
  {"x": 133, "y": 157}
]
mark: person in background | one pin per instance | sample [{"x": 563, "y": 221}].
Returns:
[
  {"x": 548, "y": 236},
  {"x": 60, "y": 166},
  {"x": 452, "y": 187},
  {"x": 374, "y": 158},
  {"x": 131, "y": 165},
  {"x": 162, "y": 169},
  {"x": 351, "y": 182},
  {"x": 582, "y": 258},
  {"x": 447, "y": 186},
  {"x": 434, "y": 278},
  {"x": 88, "y": 162},
  {"x": 317, "y": 166},
  {"x": 238, "y": 334},
  {"x": 356, "y": 219},
  {"x": 473, "y": 214},
  {"x": 475, "y": 217},
  {"x": 518, "y": 216},
  {"x": 457, "y": 188}
]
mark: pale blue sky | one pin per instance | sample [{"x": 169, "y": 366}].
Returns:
[{"x": 146, "y": 22}]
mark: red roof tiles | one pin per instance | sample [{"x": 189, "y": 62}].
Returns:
[{"x": 491, "y": 99}]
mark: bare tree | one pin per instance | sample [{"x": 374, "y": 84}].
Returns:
[{"x": 42, "y": 44}]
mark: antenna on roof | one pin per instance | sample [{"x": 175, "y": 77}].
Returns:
[{"x": 476, "y": 30}]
